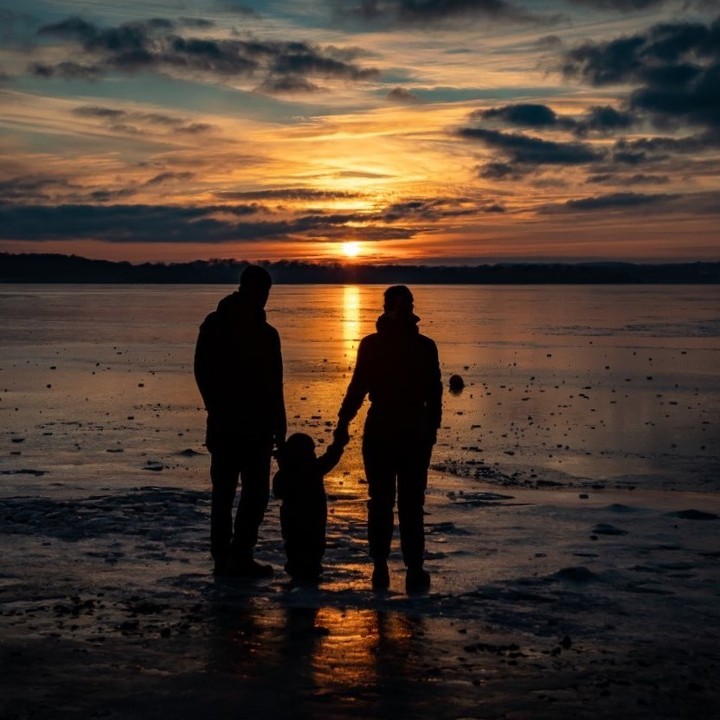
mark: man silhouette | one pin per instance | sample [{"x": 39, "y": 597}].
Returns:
[
  {"x": 399, "y": 369},
  {"x": 238, "y": 369}
]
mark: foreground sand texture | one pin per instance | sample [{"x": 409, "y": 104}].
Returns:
[
  {"x": 572, "y": 524},
  {"x": 543, "y": 605}
]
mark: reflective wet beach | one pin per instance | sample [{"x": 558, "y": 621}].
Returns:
[
  {"x": 579, "y": 383},
  {"x": 557, "y": 589}
]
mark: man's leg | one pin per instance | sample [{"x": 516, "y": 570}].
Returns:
[
  {"x": 224, "y": 472},
  {"x": 254, "y": 496}
]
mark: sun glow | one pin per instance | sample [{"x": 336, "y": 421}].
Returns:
[{"x": 351, "y": 248}]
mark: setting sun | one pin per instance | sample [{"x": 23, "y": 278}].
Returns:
[{"x": 351, "y": 249}]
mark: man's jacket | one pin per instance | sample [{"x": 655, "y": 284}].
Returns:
[{"x": 238, "y": 369}]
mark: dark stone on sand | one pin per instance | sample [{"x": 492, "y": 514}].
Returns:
[
  {"x": 694, "y": 515},
  {"x": 620, "y": 508},
  {"x": 579, "y": 574},
  {"x": 481, "y": 499},
  {"x": 189, "y": 452},
  {"x": 445, "y": 528},
  {"x": 456, "y": 384},
  {"x": 607, "y": 529},
  {"x": 24, "y": 471},
  {"x": 138, "y": 606},
  {"x": 492, "y": 648},
  {"x": 154, "y": 465}
]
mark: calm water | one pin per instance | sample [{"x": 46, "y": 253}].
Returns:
[{"x": 563, "y": 384}]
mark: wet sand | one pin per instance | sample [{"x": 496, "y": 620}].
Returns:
[
  {"x": 543, "y": 604},
  {"x": 572, "y": 525}
]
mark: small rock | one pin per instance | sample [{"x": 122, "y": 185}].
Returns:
[
  {"x": 576, "y": 574},
  {"x": 607, "y": 529},
  {"x": 456, "y": 384},
  {"x": 694, "y": 515}
]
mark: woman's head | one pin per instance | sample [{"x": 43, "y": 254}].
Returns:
[{"x": 398, "y": 300}]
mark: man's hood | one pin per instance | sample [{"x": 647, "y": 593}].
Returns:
[
  {"x": 389, "y": 324},
  {"x": 240, "y": 308}
]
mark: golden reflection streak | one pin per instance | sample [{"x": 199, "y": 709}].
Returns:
[
  {"x": 356, "y": 646},
  {"x": 351, "y": 319}
]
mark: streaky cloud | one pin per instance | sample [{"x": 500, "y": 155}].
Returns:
[
  {"x": 611, "y": 202},
  {"x": 287, "y": 84},
  {"x": 619, "y": 179},
  {"x": 132, "y": 223},
  {"x": 655, "y": 149},
  {"x": 34, "y": 188},
  {"x": 427, "y": 12},
  {"x": 169, "y": 176},
  {"x": 520, "y": 114},
  {"x": 617, "y": 200},
  {"x": 165, "y": 223},
  {"x": 598, "y": 119},
  {"x": 426, "y": 210},
  {"x": 159, "y": 45},
  {"x": 621, "y": 5},
  {"x": 673, "y": 68},
  {"x": 287, "y": 194},
  {"x": 532, "y": 150},
  {"x": 698, "y": 203},
  {"x": 67, "y": 69},
  {"x": 604, "y": 119},
  {"x": 501, "y": 171},
  {"x": 126, "y": 120},
  {"x": 403, "y": 96}
]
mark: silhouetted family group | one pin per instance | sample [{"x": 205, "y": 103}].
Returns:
[{"x": 239, "y": 371}]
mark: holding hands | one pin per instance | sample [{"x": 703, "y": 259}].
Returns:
[{"x": 340, "y": 435}]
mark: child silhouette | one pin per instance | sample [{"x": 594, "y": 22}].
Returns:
[{"x": 303, "y": 513}]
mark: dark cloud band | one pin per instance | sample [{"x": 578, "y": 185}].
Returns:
[
  {"x": 160, "y": 45},
  {"x": 674, "y": 69},
  {"x": 531, "y": 150}
]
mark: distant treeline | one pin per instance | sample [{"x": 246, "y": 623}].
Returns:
[{"x": 53, "y": 268}]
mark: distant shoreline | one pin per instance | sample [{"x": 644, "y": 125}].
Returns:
[{"x": 72, "y": 269}]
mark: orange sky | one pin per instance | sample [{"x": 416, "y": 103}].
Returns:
[{"x": 434, "y": 132}]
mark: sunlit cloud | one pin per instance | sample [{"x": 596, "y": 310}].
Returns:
[
  {"x": 422, "y": 131},
  {"x": 411, "y": 13}
]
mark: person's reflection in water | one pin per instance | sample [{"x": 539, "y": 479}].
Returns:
[
  {"x": 361, "y": 659},
  {"x": 300, "y": 662},
  {"x": 259, "y": 662}
]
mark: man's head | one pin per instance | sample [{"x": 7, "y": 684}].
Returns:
[
  {"x": 256, "y": 282},
  {"x": 398, "y": 301}
]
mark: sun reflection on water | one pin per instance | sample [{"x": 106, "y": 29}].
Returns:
[
  {"x": 361, "y": 658},
  {"x": 351, "y": 316},
  {"x": 354, "y": 646}
]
